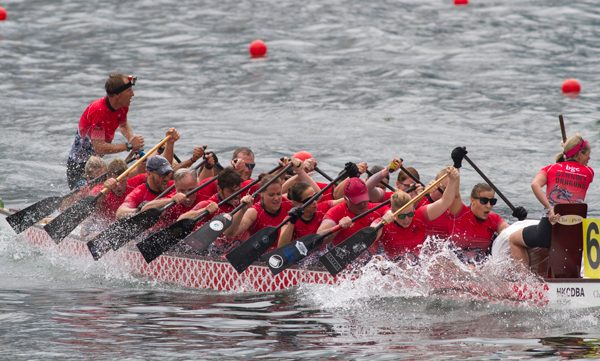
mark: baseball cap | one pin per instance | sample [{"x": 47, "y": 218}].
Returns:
[
  {"x": 158, "y": 164},
  {"x": 356, "y": 190},
  {"x": 302, "y": 155}
]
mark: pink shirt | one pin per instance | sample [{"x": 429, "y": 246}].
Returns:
[{"x": 567, "y": 182}]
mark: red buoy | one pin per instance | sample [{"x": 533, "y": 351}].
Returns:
[
  {"x": 461, "y": 2},
  {"x": 3, "y": 14},
  {"x": 571, "y": 86},
  {"x": 257, "y": 49}
]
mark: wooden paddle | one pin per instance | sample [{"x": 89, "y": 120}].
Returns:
[
  {"x": 563, "y": 132},
  {"x": 27, "y": 217},
  {"x": 65, "y": 222},
  {"x": 346, "y": 252},
  {"x": 124, "y": 229},
  {"x": 160, "y": 242},
  {"x": 519, "y": 212}
]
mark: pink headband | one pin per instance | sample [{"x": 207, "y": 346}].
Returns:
[{"x": 576, "y": 149}]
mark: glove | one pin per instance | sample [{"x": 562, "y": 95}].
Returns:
[
  {"x": 520, "y": 213},
  {"x": 351, "y": 170},
  {"x": 213, "y": 156},
  {"x": 457, "y": 155},
  {"x": 295, "y": 214}
]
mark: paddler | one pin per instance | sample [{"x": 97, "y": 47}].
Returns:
[
  {"x": 405, "y": 233},
  {"x": 98, "y": 124},
  {"x": 566, "y": 181}
]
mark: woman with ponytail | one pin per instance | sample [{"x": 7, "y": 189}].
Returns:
[{"x": 566, "y": 181}]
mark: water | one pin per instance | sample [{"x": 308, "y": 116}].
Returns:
[{"x": 347, "y": 81}]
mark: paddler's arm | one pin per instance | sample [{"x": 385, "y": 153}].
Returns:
[
  {"x": 239, "y": 216},
  {"x": 285, "y": 236},
  {"x": 247, "y": 220},
  {"x": 376, "y": 193},
  {"x": 327, "y": 224},
  {"x": 538, "y": 182},
  {"x": 170, "y": 146},
  {"x": 437, "y": 208}
]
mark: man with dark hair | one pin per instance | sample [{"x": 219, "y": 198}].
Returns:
[{"x": 98, "y": 124}]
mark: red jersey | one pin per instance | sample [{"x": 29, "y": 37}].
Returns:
[
  {"x": 470, "y": 232},
  {"x": 208, "y": 191},
  {"x": 567, "y": 182},
  {"x": 397, "y": 240},
  {"x": 303, "y": 228},
  {"x": 108, "y": 205},
  {"x": 440, "y": 227},
  {"x": 328, "y": 195},
  {"x": 341, "y": 210},
  {"x": 169, "y": 216},
  {"x": 265, "y": 219},
  {"x": 137, "y": 180},
  {"x": 140, "y": 194},
  {"x": 98, "y": 121}
]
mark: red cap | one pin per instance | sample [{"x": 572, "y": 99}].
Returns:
[
  {"x": 356, "y": 190},
  {"x": 302, "y": 155}
]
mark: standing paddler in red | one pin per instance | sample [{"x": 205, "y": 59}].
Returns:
[{"x": 98, "y": 124}]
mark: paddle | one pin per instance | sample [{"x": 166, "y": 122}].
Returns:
[
  {"x": 27, "y": 217},
  {"x": 246, "y": 253},
  {"x": 209, "y": 232},
  {"x": 65, "y": 222},
  {"x": 346, "y": 252},
  {"x": 519, "y": 212},
  {"x": 124, "y": 229},
  {"x": 160, "y": 242},
  {"x": 563, "y": 132},
  {"x": 286, "y": 256}
]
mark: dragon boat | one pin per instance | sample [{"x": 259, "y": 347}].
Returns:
[{"x": 561, "y": 289}]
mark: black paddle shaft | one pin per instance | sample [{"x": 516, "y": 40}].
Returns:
[
  {"x": 160, "y": 242},
  {"x": 488, "y": 181}
]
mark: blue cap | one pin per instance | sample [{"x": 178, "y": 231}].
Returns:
[{"x": 158, "y": 164}]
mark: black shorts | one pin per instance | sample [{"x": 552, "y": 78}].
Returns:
[
  {"x": 75, "y": 174},
  {"x": 538, "y": 235}
]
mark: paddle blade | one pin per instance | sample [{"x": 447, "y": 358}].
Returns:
[
  {"x": 290, "y": 254},
  {"x": 209, "y": 232},
  {"x": 159, "y": 242},
  {"x": 67, "y": 221},
  {"x": 135, "y": 225},
  {"x": 121, "y": 231},
  {"x": 249, "y": 251},
  {"x": 346, "y": 252},
  {"x": 27, "y": 217}
]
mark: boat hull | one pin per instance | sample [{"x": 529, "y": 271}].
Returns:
[{"x": 217, "y": 274}]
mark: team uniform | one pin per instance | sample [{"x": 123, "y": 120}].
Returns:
[
  {"x": 108, "y": 205},
  {"x": 566, "y": 182},
  {"x": 98, "y": 121},
  {"x": 397, "y": 240},
  {"x": 341, "y": 210},
  {"x": 266, "y": 219},
  {"x": 328, "y": 195},
  {"x": 303, "y": 228},
  {"x": 142, "y": 194},
  {"x": 472, "y": 236}
]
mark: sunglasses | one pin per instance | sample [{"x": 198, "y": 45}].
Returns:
[
  {"x": 441, "y": 190},
  {"x": 484, "y": 200},
  {"x": 250, "y": 166},
  {"x": 405, "y": 215}
]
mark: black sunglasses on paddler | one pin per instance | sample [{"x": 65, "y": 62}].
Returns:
[{"x": 484, "y": 200}]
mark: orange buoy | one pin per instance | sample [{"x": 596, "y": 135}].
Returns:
[
  {"x": 257, "y": 49},
  {"x": 461, "y": 2},
  {"x": 3, "y": 14},
  {"x": 571, "y": 86}
]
